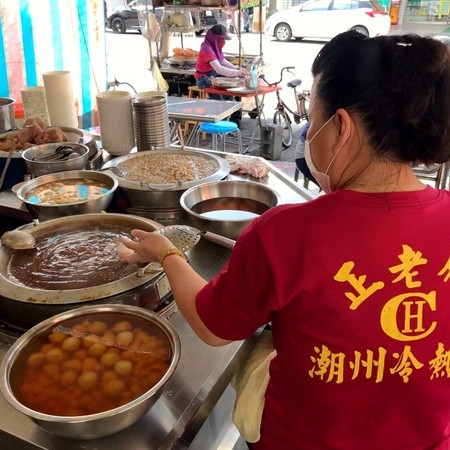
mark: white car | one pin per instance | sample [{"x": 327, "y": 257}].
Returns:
[{"x": 327, "y": 18}]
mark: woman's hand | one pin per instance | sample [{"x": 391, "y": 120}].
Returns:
[
  {"x": 183, "y": 279},
  {"x": 148, "y": 247}
]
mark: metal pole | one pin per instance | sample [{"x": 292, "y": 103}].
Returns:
[
  {"x": 260, "y": 29},
  {"x": 239, "y": 32}
]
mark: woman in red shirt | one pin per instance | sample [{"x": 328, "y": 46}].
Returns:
[{"x": 355, "y": 283}]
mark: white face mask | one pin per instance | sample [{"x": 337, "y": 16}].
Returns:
[{"x": 322, "y": 178}]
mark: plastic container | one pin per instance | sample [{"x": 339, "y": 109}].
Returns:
[{"x": 253, "y": 78}]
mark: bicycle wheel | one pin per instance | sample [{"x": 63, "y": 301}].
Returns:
[{"x": 281, "y": 118}]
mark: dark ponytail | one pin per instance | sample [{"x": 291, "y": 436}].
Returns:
[{"x": 399, "y": 86}]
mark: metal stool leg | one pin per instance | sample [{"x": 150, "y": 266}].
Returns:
[
  {"x": 214, "y": 141},
  {"x": 238, "y": 131},
  {"x": 197, "y": 138}
]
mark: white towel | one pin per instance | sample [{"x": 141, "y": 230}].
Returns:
[{"x": 250, "y": 383}]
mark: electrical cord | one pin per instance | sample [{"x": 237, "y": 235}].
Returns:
[{"x": 118, "y": 83}]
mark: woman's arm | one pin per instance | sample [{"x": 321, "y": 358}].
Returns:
[
  {"x": 225, "y": 71},
  {"x": 183, "y": 279},
  {"x": 225, "y": 63}
]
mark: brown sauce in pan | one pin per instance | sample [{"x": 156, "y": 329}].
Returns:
[{"x": 72, "y": 259}]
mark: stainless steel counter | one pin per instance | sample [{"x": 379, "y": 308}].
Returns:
[{"x": 201, "y": 376}]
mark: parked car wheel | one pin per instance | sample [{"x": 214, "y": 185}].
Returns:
[
  {"x": 361, "y": 29},
  {"x": 118, "y": 25},
  {"x": 283, "y": 32}
]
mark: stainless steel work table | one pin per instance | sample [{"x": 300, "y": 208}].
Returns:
[{"x": 201, "y": 376}]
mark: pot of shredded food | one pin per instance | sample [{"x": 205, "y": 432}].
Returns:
[{"x": 154, "y": 180}]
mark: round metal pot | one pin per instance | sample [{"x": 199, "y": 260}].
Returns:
[
  {"x": 43, "y": 167},
  {"x": 162, "y": 201},
  {"x": 24, "y": 306},
  {"x": 7, "y": 119},
  {"x": 93, "y": 425},
  {"x": 227, "y": 207},
  {"x": 53, "y": 211}
]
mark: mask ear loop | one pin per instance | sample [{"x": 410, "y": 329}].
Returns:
[
  {"x": 321, "y": 128},
  {"x": 317, "y": 132}
]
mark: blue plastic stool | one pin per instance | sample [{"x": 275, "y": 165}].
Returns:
[{"x": 219, "y": 130}]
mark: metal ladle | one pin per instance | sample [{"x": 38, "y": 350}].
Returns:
[
  {"x": 18, "y": 240},
  {"x": 184, "y": 237}
]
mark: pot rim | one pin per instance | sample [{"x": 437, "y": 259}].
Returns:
[
  {"x": 10, "y": 103},
  {"x": 26, "y": 294},
  {"x": 222, "y": 172}
]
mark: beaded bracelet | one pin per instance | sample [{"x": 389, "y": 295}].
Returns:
[{"x": 167, "y": 252}]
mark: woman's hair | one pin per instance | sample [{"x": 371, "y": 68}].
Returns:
[{"x": 399, "y": 87}]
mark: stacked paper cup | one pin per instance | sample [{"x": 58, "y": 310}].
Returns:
[
  {"x": 60, "y": 99},
  {"x": 116, "y": 121},
  {"x": 34, "y": 103}
]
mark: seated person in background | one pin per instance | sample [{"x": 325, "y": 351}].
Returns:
[
  {"x": 300, "y": 160},
  {"x": 211, "y": 61}
]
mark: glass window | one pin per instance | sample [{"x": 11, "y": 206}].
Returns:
[
  {"x": 319, "y": 5},
  {"x": 342, "y": 5},
  {"x": 365, "y": 4}
]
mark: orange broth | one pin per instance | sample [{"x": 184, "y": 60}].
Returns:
[{"x": 90, "y": 366}]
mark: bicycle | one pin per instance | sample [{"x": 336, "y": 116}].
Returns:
[{"x": 281, "y": 117}]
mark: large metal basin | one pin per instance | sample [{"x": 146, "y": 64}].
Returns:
[
  {"x": 162, "y": 201},
  {"x": 24, "y": 306},
  {"x": 89, "y": 426},
  {"x": 227, "y": 207}
]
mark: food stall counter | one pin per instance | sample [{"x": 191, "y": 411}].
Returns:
[{"x": 201, "y": 377}]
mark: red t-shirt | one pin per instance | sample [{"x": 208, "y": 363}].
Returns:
[
  {"x": 203, "y": 64},
  {"x": 357, "y": 288}
]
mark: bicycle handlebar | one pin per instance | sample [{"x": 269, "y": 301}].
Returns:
[{"x": 287, "y": 69}]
